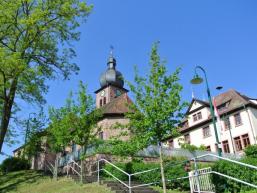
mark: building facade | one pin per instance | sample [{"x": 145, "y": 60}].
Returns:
[{"x": 236, "y": 121}]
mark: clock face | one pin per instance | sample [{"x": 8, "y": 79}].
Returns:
[
  {"x": 118, "y": 93},
  {"x": 103, "y": 93}
]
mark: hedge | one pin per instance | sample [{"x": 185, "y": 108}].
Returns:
[
  {"x": 223, "y": 184},
  {"x": 14, "y": 164}
]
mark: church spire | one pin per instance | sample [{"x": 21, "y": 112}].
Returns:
[{"x": 111, "y": 61}]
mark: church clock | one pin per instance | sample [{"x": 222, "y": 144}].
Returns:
[{"x": 117, "y": 92}]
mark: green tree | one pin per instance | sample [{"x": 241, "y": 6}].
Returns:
[
  {"x": 157, "y": 109},
  {"x": 36, "y": 135},
  {"x": 76, "y": 122},
  {"x": 35, "y": 46}
]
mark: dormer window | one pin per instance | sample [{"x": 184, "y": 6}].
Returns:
[
  {"x": 223, "y": 106},
  {"x": 197, "y": 116}
]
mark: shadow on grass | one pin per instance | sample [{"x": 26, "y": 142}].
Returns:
[{"x": 10, "y": 182}]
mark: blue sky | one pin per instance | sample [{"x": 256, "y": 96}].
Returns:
[{"x": 219, "y": 35}]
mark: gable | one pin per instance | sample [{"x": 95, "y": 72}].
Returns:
[{"x": 196, "y": 105}]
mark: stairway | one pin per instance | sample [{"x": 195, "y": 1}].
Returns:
[
  {"x": 120, "y": 188},
  {"x": 115, "y": 186}
]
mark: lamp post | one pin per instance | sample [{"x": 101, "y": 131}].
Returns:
[
  {"x": 198, "y": 80},
  {"x": 27, "y": 128}
]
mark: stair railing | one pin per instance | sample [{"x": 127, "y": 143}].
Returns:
[
  {"x": 109, "y": 173},
  {"x": 49, "y": 166},
  {"x": 196, "y": 173},
  {"x": 70, "y": 166}
]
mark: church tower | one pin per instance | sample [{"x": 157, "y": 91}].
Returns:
[{"x": 111, "y": 82}]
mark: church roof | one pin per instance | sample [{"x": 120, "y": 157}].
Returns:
[{"x": 117, "y": 106}]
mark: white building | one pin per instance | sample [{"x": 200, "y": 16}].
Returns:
[{"x": 237, "y": 127}]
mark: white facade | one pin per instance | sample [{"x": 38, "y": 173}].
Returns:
[{"x": 233, "y": 139}]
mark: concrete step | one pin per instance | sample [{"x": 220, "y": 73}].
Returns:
[{"x": 116, "y": 186}]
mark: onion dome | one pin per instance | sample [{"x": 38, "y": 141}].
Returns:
[{"x": 111, "y": 76}]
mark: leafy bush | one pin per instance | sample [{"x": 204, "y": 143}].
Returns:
[
  {"x": 118, "y": 174},
  {"x": 191, "y": 147},
  {"x": 251, "y": 151},
  {"x": 14, "y": 164},
  {"x": 223, "y": 184}
]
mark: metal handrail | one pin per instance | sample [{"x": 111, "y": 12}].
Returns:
[
  {"x": 180, "y": 178},
  {"x": 50, "y": 166},
  {"x": 115, "y": 177},
  {"x": 146, "y": 171},
  {"x": 235, "y": 179},
  {"x": 69, "y": 166},
  {"x": 75, "y": 171},
  {"x": 114, "y": 166},
  {"x": 72, "y": 161},
  {"x": 227, "y": 159}
]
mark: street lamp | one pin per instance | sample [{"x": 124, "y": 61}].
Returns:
[
  {"x": 28, "y": 129},
  {"x": 198, "y": 80}
]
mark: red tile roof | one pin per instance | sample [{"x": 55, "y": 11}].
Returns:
[{"x": 119, "y": 105}]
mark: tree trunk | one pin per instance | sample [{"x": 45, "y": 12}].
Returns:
[
  {"x": 6, "y": 112},
  {"x": 162, "y": 170},
  {"x": 82, "y": 164},
  {"x": 56, "y": 168},
  {"x": 82, "y": 173}
]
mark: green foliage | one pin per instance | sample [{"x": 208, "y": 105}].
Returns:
[
  {"x": 244, "y": 173},
  {"x": 75, "y": 122},
  {"x": 192, "y": 148},
  {"x": 35, "y": 46},
  {"x": 14, "y": 164},
  {"x": 36, "y": 136},
  {"x": 157, "y": 109},
  {"x": 251, "y": 151}
]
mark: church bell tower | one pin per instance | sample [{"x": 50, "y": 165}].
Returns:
[{"x": 111, "y": 82}]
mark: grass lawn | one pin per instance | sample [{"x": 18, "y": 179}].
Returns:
[{"x": 34, "y": 182}]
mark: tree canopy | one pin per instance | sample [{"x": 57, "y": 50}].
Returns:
[
  {"x": 75, "y": 122},
  {"x": 35, "y": 46}
]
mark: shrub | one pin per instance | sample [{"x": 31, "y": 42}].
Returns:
[
  {"x": 251, "y": 151},
  {"x": 118, "y": 174},
  {"x": 223, "y": 184},
  {"x": 14, "y": 164}
]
